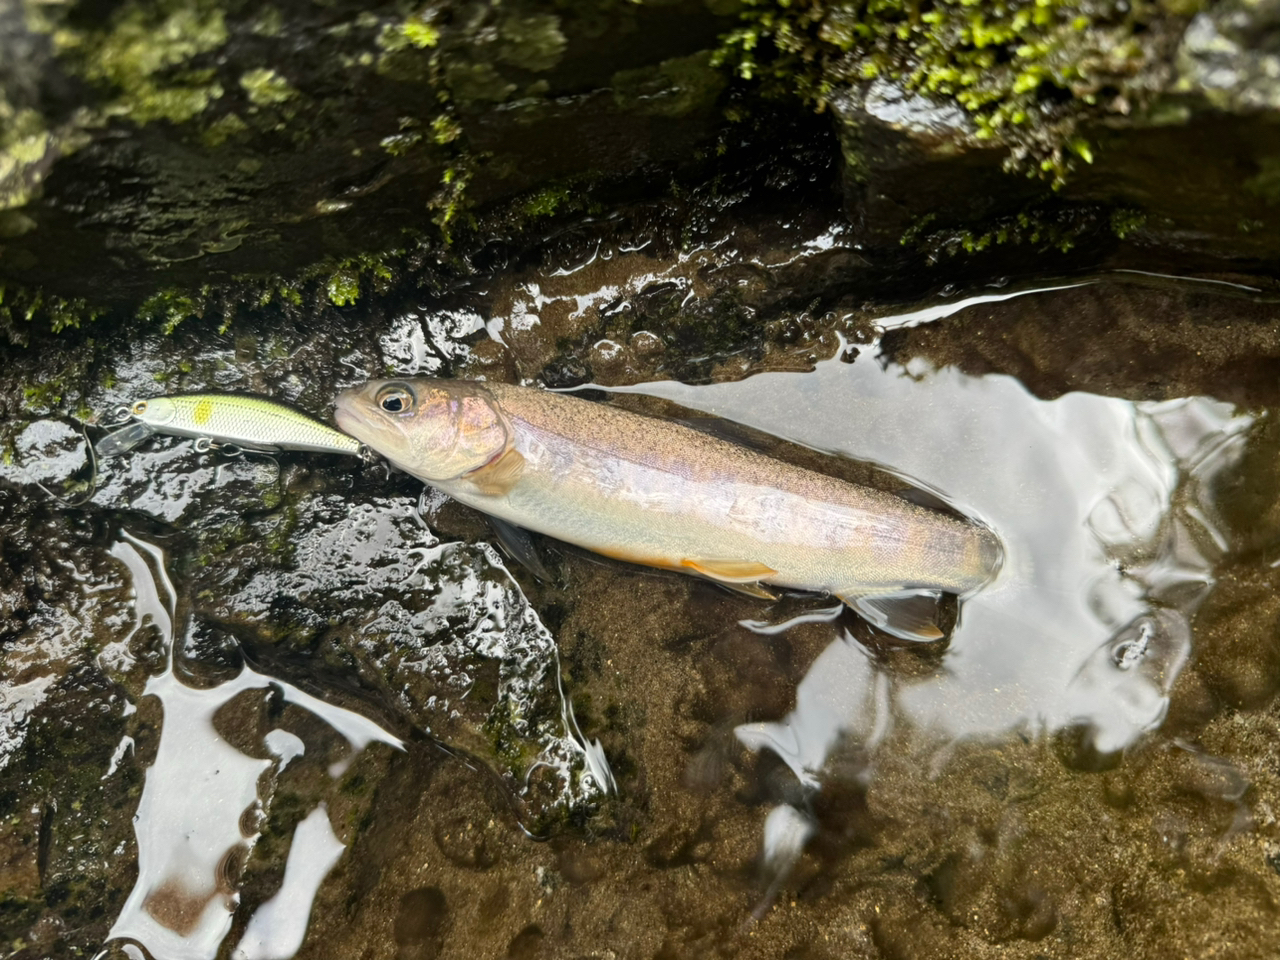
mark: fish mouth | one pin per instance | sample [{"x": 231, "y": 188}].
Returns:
[
  {"x": 358, "y": 418},
  {"x": 348, "y": 420}
]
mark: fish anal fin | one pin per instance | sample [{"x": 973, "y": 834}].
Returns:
[
  {"x": 729, "y": 571},
  {"x": 500, "y": 475},
  {"x": 906, "y": 616},
  {"x": 749, "y": 590}
]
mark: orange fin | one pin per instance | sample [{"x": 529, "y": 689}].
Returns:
[
  {"x": 906, "y": 616},
  {"x": 500, "y": 475},
  {"x": 728, "y": 571}
]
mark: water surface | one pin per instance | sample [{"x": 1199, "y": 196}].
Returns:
[{"x": 261, "y": 709}]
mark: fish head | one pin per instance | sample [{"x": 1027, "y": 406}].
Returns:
[
  {"x": 155, "y": 412},
  {"x": 434, "y": 429}
]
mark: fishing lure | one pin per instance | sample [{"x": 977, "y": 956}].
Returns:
[{"x": 230, "y": 422}]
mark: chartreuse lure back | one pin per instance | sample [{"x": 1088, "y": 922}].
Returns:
[{"x": 240, "y": 421}]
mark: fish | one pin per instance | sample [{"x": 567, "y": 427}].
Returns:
[
  {"x": 657, "y": 493},
  {"x": 235, "y": 420}
]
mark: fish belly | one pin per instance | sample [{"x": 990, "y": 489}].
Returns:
[{"x": 730, "y": 530}]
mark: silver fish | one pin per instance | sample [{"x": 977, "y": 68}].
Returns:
[{"x": 655, "y": 492}]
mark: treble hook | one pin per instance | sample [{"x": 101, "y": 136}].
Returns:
[
  {"x": 93, "y": 478},
  {"x": 234, "y": 451}
]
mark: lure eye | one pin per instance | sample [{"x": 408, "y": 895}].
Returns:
[
  {"x": 395, "y": 399},
  {"x": 139, "y": 408}
]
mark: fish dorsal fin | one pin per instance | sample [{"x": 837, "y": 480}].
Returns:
[
  {"x": 498, "y": 476},
  {"x": 728, "y": 571},
  {"x": 906, "y": 616},
  {"x": 517, "y": 542}
]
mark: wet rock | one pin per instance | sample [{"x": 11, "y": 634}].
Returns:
[
  {"x": 322, "y": 579},
  {"x": 1134, "y": 339},
  {"x": 1235, "y": 662},
  {"x": 527, "y": 944},
  {"x": 450, "y": 638},
  {"x": 1227, "y": 58},
  {"x": 252, "y": 142},
  {"x": 421, "y": 921}
]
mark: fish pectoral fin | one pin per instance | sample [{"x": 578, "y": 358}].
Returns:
[
  {"x": 728, "y": 571},
  {"x": 906, "y": 616},
  {"x": 498, "y": 476}
]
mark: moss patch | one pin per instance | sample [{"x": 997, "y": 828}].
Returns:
[
  {"x": 24, "y": 312},
  {"x": 264, "y": 87},
  {"x": 146, "y": 53},
  {"x": 1027, "y": 72}
]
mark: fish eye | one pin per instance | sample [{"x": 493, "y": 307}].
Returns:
[
  {"x": 139, "y": 408},
  {"x": 395, "y": 398}
]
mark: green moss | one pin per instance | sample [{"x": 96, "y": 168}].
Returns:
[
  {"x": 343, "y": 287},
  {"x": 342, "y": 282},
  {"x": 530, "y": 41},
  {"x": 42, "y": 396},
  {"x": 171, "y": 307},
  {"x": 398, "y": 144},
  {"x": 416, "y": 30},
  {"x": 419, "y": 33},
  {"x": 24, "y": 310},
  {"x": 264, "y": 87},
  {"x": 281, "y": 292},
  {"x": 449, "y": 200},
  {"x": 1030, "y": 228},
  {"x": 1125, "y": 221},
  {"x": 545, "y": 202},
  {"x": 1027, "y": 72},
  {"x": 224, "y": 128},
  {"x": 62, "y": 382},
  {"x": 27, "y": 144},
  {"x": 145, "y": 53},
  {"x": 445, "y": 129},
  {"x": 471, "y": 82},
  {"x": 560, "y": 197}
]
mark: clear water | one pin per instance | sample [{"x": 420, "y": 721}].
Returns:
[{"x": 715, "y": 773}]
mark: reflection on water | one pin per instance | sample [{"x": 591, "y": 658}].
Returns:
[
  {"x": 205, "y": 800},
  {"x": 277, "y": 928},
  {"x": 202, "y": 803},
  {"x": 1110, "y": 544}
]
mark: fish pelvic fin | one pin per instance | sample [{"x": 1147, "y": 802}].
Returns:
[
  {"x": 911, "y": 616},
  {"x": 519, "y": 545},
  {"x": 500, "y": 475},
  {"x": 731, "y": 572}
]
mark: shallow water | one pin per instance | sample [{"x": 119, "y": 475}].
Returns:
[{"x": 318, "y": 716}]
